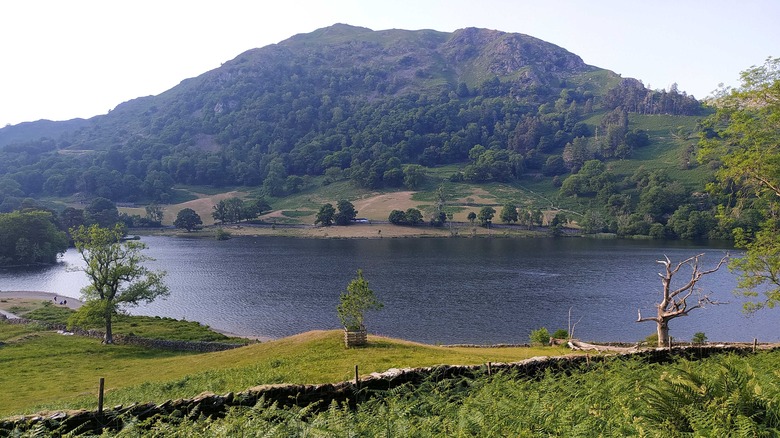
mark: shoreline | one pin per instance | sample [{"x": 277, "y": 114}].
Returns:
[
  {"x": 75, "y": 304},
  {"x": 356, "y": 231},
  {"x": 72, "y": 303}
]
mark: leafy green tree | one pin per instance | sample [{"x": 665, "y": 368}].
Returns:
[
  {"x": 30, "y": 237},
  {"x": 508, "y": 213},
  {"x": 346, "y": 213},
  {"x": 414, "y": 176},
  {"x": 154, "y": 213},
  {"x": 414, "y": 216},
  {"x": 485, "y": 216},
  {"x": 537, "y": 217},
  {"x": 471, "y": 217},
  {"x": 325, "y": 215},
  {"x": 554, "y": 166},
  {"x": 102, "y": 212},
  {"x": 397, "y": 217},
  {"x": 699, "y": 338},
  {"x": 220, "y": 213},
  {"x": 743, "y": 135},
  {"x": 234, "y": 208},
  {"x": 260, "y": 205},
  {"x": 116, "y": 273},
  {"x": 187, "y": 219},
  {"x": 71, "y": 218},
  {"x": 354, "y": 303}
]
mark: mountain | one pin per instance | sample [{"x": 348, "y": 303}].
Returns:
[
  {"x": 27, "y": 131},
  {"x": 346, "y": 102}
]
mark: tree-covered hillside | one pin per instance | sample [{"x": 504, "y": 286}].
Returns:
[{"x": 356, "y": 104}]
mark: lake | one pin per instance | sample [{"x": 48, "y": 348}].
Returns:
[{"x": 438, "y": 291}]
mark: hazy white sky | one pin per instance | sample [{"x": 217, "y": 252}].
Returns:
[{"x": 79, "y": 58}]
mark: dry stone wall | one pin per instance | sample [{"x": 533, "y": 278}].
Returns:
[{"x": 215, "y": 406}]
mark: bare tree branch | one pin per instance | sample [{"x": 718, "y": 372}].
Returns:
[{"x": 674, "y": 302}]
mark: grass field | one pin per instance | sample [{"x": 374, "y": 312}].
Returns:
[{"x": 45, "y": 370}]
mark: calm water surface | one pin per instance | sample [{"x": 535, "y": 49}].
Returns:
[{"x": 434, "y": 290}]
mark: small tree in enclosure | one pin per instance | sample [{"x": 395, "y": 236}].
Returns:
[
  {"x": 354, "y": 303},
  {"x": 674, "y": 301}
]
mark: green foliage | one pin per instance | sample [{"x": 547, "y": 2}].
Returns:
[
  {"x": 325, "y": 215},
  {"x": 726, "y": 400},
  {"x": 411, "y": 216},
  {"x": 699, "y": 338},
  {"x": 48, "y": 312},
  {"x": 187, "y": 219},
  {"x": 354, "y": 303},
  {"x": 30, "y": 237},
  {"x": 346, "y": 213},
  {"x": 509, "y": 213},
  {"x": 760, "y": 267},
  {"x": 721, "y": 396},
  {"x": 485, "y": 216},
  {"x": 540, "y": 336},
  {"x": 154, "y": 214},
  {"x": 414, "y": 176},
  {"x": 743, "y": 137},
  {"x": 651, "y": 340},
  {"x": 116, "y": 273},
  {"x": 222, "y": 234},
  {"x": 236, "y": 210},
  {"x": 101, "y": 212},
  {"x": 561, "y": 334}
]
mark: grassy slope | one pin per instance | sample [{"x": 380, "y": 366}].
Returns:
[
  {"x": 142, "y": 326},
  {"x": 45, "y": 370}
]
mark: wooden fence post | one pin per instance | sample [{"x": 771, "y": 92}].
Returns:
[
  {"x": 755, "y": 344},
  {"x": 357, "y": 379},
  {"x": 100, "y": 396},
  {"x": 490, "y": 371}
]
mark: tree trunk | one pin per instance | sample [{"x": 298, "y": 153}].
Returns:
[
  {"x": 109, "y": 337},
  {"x": 663, "y": 333}
]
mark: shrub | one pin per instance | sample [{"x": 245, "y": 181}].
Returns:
[
  {"x": 540, "y": 336},
  {"x": 651, "y": 340},
  {"x": 221, "y": 234},
  {"x": 699, "y": 338},
  {"x": 561, "y": 334}
]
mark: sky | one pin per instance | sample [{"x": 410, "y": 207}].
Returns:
[{"x": 80, "y": 58}]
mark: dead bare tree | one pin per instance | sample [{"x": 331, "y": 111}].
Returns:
[
  {"x": 572, "y": 326},
  {"x": 674, "y": 302}
]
